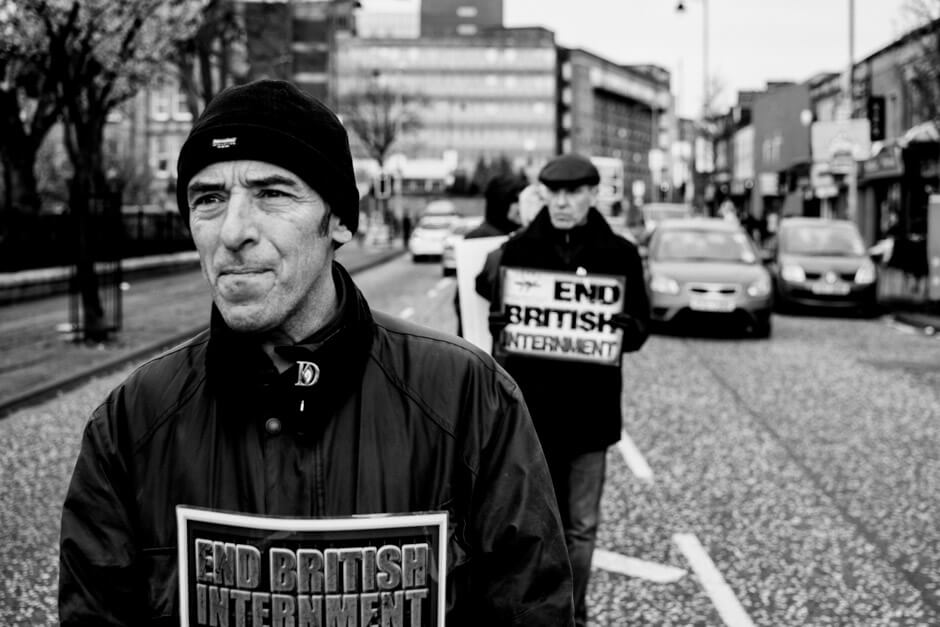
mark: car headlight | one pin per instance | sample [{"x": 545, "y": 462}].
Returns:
[
  {"x": 664, "y": 285},
  {"x": 865, "y": 275},
  {"x": 760, "y": 287},
  {"x": 792, "y": 273}
]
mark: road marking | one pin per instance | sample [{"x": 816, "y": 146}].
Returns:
[
  {"x": 902, "y": 328},
  {"x": 632, "y": 567},
  {"x": 721, "y": 594},
  {"x": 407, "y": 312},
  {"x": 446, "y": 281},
  {"x": 634, "y": 458}
]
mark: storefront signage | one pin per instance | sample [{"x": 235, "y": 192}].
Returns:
[
  {"x": 240, "y": 569},
  {"x": 562, "y": 315},
  {"x": 886, "y": 164},
  {"x": 769, "y": 184},
  {"x": 840, "y": 139}
]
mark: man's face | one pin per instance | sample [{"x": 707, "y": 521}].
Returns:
[
  {"x": 265, "y": 244},
  {"x": 568, "y": 208}
]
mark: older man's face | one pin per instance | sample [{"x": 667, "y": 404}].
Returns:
[
  {"x": 265, "y": 242},
  {"x": 568, "y": 207}
]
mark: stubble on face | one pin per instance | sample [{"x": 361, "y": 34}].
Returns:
[{"x": 264, "y": 238}]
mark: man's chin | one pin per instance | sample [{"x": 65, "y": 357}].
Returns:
[{"x": 245, "y": 318}]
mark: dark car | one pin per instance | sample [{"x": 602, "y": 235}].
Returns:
[
  {"x": 708, "y": 270},
  {"x": 823, "y": 263}
]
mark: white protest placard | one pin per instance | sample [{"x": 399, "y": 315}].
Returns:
[
  {"x": 562, "y": 315},
  {"x": 250, "y": 570},
  {"x": 474, "y": 309}
]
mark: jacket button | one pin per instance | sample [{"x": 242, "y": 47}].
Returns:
[{"x": 272, "y": 426}]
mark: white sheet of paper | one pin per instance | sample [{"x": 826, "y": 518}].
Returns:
[{"x": 474, "y": 309}]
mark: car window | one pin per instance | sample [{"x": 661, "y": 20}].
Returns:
[
  {"x": 435, "y": 222},
  {"x": 702, "y": 245},
  {"x": 838, "y": 240}
]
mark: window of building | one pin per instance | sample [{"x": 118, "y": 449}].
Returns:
[
  {"x": 181, "y": 111},
  {"x": 466, "y": 29},
  {"x": 466, "y": 11},
  {"x": 160, "y": 106}
]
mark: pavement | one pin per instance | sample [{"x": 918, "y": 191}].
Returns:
[{"x": 39, "y": 359}]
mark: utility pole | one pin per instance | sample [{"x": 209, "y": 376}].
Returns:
[{"x": 852, "y": 176}]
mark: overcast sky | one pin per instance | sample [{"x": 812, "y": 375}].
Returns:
[{"x": 750, "y": 41}]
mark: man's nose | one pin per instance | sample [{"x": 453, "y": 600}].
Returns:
[{"x": 239, "y": 226}]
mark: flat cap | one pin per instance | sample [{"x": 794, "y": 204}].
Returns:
[{"x": 569, "y": 171}]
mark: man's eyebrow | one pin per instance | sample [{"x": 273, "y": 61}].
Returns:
[
  {"x": 200, "y": 187},
  {"x": 273, "y": 179}
]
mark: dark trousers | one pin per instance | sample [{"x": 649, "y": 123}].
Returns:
[{"x": 579, "y": 482}]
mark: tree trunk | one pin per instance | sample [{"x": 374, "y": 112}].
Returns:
[
  {"x": 22, "y": 195},
  {"x": 88, "y": 185}
]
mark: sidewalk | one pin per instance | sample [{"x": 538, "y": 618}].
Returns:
[{"x": 37, "y": 360}]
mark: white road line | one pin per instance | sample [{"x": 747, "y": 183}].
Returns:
[
  {"x": 721, "y": 594},
  {"x": 445, "y": 282},
  {"x": 431, "y": 293},
  {"x": 632, "y": 567},
  {"x": 634, "y": 458},
  {"x": 902, "y": 328},
  {"x": 407, "y": 312}
]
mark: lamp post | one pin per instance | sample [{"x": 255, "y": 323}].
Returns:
[
  {"x": 851, "y": 204},
  {"x": 681, "y": 8}
]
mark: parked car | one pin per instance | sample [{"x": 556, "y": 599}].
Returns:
[
  {"x": 441, "y": 207},
  {"x": 819, "y": 262},
  {"x": 708, "y": 269},
  {"x": 427, "y": 237},
  {"x": 643, "y": 219},
  {"x": 448, "y": 257}
]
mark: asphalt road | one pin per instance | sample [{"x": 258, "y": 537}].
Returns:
[{"x": 790, "y": 481}]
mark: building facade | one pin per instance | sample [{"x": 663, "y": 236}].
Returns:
[
  {"x": 611, "y": 110},
  {"x": 468, "y": 18},
  {"x": 487, "y": 96}
]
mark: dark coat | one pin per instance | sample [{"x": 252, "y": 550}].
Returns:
[
  {"x": 402, "y": 419},
  {"x": 575, "y": 406}
]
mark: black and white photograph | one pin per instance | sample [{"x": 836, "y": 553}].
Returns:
[{"x": 528, "y": 313}]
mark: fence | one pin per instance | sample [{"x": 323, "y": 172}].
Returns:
[{"x": 42, "y": 241}]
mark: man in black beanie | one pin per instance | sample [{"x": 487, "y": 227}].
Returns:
[
  {"x": 570, "y": 236},
  {"x": 301, "y": 401}
]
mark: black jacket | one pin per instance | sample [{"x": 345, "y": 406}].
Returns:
[
  {"x": 575, "y": 406},
  {"x": 402, "y": 419}
]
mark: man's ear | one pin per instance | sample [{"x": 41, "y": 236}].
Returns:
[{"x": 339, "y": 231}]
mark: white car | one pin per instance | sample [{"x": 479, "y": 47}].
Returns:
[
  {"x": 448, "y": 256},
  {"x": 427, "y": 238}
]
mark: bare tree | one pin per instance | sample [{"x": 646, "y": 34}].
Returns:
[
  {"x": 29, "y": 106},
  {"x": 379, "y": 116},
  {"x": 213, "y": 57},
  {"x": 96, "y": 54}
]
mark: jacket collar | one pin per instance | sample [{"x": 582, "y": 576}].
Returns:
[{"x": 238, "y": 367}]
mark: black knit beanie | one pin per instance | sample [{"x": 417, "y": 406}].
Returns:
[{"x": 275, "y": 122}]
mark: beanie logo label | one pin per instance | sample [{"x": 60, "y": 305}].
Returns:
[{"x": 225, "y": 142}]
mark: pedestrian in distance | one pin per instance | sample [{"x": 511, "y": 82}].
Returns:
[
  {"x": 575, "y": 405},
  {"x": 500, "y": 217},
  {"x": 300, "y": 400}
]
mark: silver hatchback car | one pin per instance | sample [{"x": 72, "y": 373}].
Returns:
[{"x": 708, "y": 269}]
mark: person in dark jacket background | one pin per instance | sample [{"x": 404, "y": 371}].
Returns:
[
  {"x": 301, "y": 401},
  {"x": 500, "y": 217},
  {"x": 575, "y": 405}
]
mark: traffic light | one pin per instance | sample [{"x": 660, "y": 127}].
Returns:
[{"x": 382, "y": 186}]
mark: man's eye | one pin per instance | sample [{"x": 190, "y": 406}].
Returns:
[
  {"x": 272, "y": 193},
  {"x": 205, "y": 200}
]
